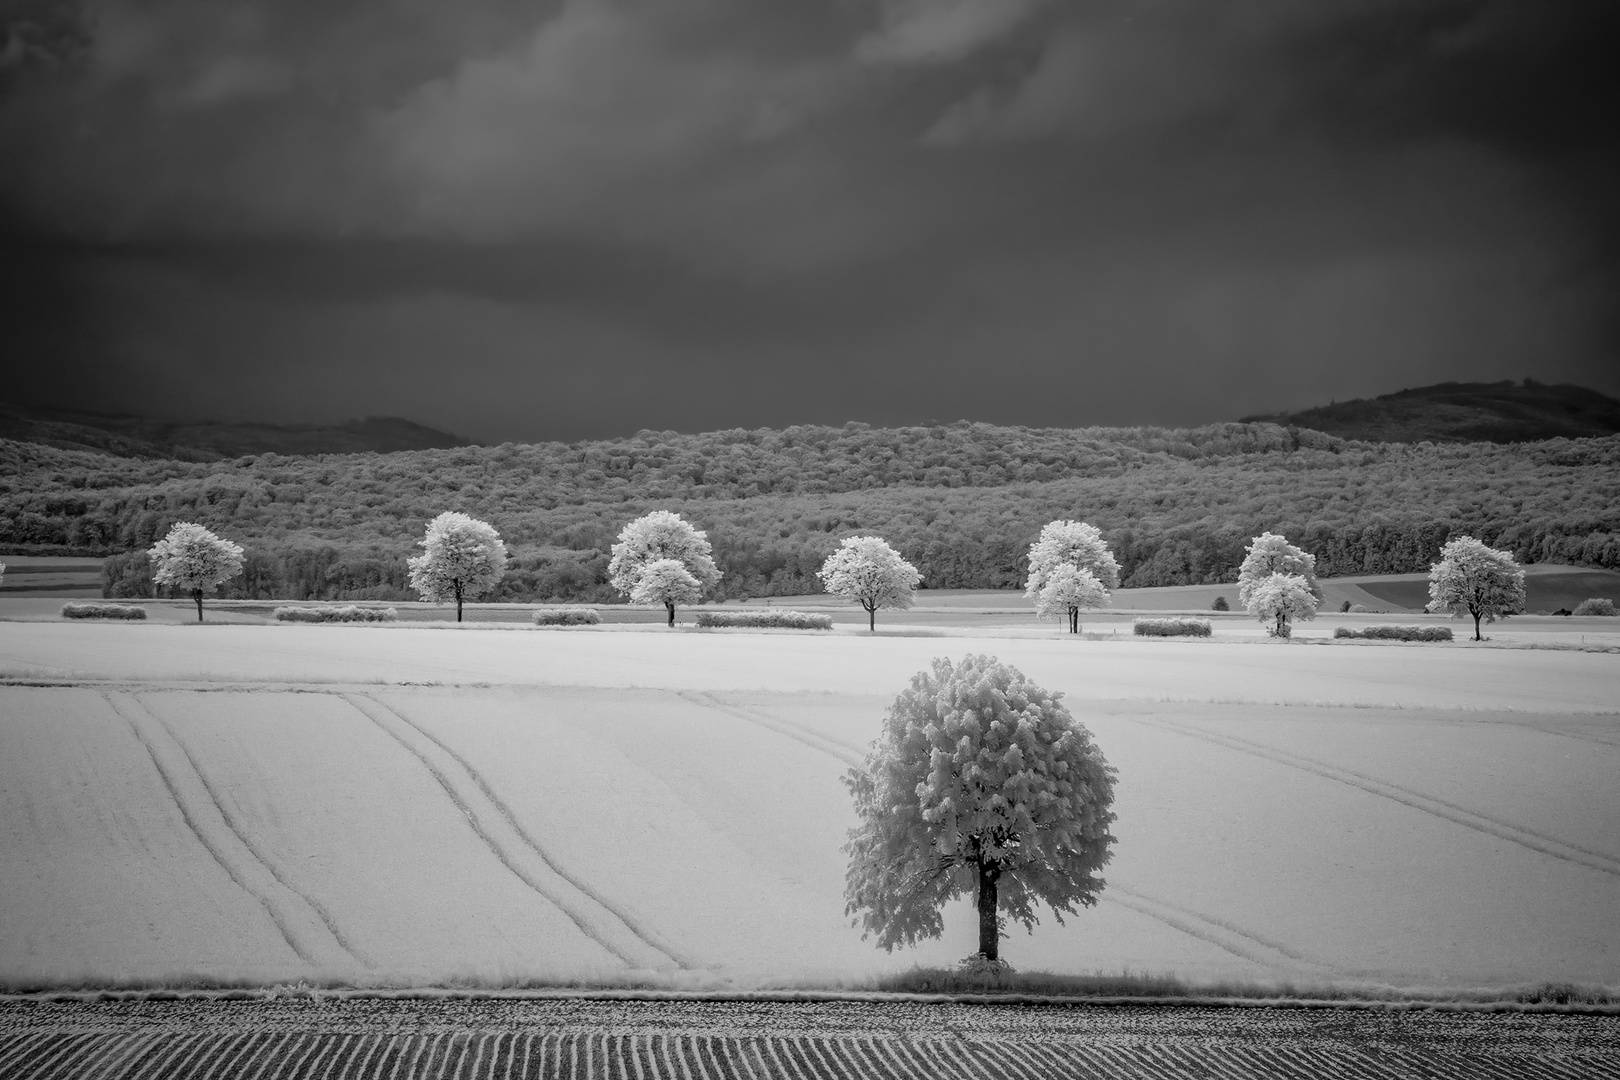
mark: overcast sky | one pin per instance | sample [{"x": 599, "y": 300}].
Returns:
[{"x": 522, "y": 220}]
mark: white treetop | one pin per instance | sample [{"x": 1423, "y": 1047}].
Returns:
[
  {"x": 1069, "y": 543},
  {"x": 462, "y": 559},
  {"x": 982, "y": 784},
  {"x": 192, "y": 559},
  {"x": 1278, "y": 599},
  {"x": 1479, "y": 580},
  {"x": 1067, "y": 590},
  {"x": 867, "y": 571},
  {"x": 667, "y": 582},
  {"x": 661, "y": 534},
  {"x": 1270, "y": 553}
]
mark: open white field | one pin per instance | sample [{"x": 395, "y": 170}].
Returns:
[{"x": 416, "y": 805}]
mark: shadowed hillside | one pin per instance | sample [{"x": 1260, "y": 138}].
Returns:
[{"x": 1504, "y": 412}]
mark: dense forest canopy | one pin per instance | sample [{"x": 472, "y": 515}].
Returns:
[{"x": 962, "y": 502}]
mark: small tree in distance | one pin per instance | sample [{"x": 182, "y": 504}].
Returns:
[
  {"x": 656, "y": 537},
  {"x": 1475, "y": 578},
  {"x": 1067, "y": 590},
  {"x": 981, "y": 784},
  {"x": 667, "y": 582},
  {"x": 1069, "y": 543},
  {"x": 462, "y": 559},
  {"x": 1278, "y": 599},
  {"x": 867, "y": 571},
  {"x": 1269, "y": 554},
  {"x": 191, "y": 559}
]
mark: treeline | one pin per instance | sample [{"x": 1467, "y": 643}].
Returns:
[{"x": 961, "y": 502}]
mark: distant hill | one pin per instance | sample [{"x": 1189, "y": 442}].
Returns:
[
  {"x": 134, "y": 436},
  {"x": 1504, "y": 412}
]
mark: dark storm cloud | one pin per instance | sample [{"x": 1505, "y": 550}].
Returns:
[{"x": 696, "y": 213}]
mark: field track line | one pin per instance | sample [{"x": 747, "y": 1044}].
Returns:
[
  {"x": 246, "y": 837},
  {"x": 1471, "y": 819},
  {"x": 211, "y": 835},
  {"x": 520, "y": 853},
  {"x": 796, "y": 732}
]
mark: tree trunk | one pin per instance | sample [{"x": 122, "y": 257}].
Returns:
[
  {"x": 1074, "y": 620},
  {"x": 989, "y": 925},
  {"x": 1476, "y": 614},
  {"x": 669, "y": 606},
  {"x": 196, "y": 594},
  {"x": 458, "y": 601},
  {"x": 871, "y": 617}
]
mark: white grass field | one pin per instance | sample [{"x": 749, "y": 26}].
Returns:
[{"x": 411, "y": 805}]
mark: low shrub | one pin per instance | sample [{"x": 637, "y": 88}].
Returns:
[
  {"x": 1171, "y": 628},
  {"x": 1220, "y": 604},
  {"x": 79, "y": 609},
  {"x": 1396, "y": 633},
  {"x": 348, "y": 613},
  {"x": 1344, "y": 607},
  {"x": 1363, "y": 609},
  {"x": 1286, "y": 630},
  {"x": 567, "y": 616},
  {"x": 785, "y": 620},
  {"x": 1597, "y": 605}
]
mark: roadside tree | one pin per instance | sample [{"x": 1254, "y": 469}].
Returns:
[
  {"x": 667, "y": 582},
  {"x": 867, "y": 571},
  {"x": 1278, "y": 599},
  {"x": 657, "y": 537},
  {"x": 191, "y": 559},
  {"x": 981, "y": 784},
  {"x": 462, "y": 559},
  {"x": 1479, "y": 580},
  {"x": 1067, "y": 590},
  {"x": 1070, "y": 543}
]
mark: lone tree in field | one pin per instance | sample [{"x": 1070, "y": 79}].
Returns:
[
  {"x": 1482, "y": 581},
  {"x": 1070, "y": 543},
  {"x": 658, "y": 537},
  {"x": 667, "y": 582},
  {"x": 1278, "y": 599},
  {"x": 981, "y": 784},
  {"x": 462, "y": 559},
  {"x": 1067, "y": 590},
  {"x": 867, "y": 571},
  {"x": 1270, "y": 582},
  {"x": 191, "y": 559}
]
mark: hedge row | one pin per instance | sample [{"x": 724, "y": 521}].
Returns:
[
  {"x": 786, "y": 620},
  {"x": 1597, "y": 605},
  {"x": 1171, "y": 628},
  {"x": 567, "y": 616},
  {"x": 1397, "y": 633},
  {"x": 93, "y": 610},
  {"x": 348, "y": 613}
]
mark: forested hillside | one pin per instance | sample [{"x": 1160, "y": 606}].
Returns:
[{"x": 962, "y": 502}]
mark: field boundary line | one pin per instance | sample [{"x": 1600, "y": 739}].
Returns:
[
  {"x": 581, "y": 908},
  {"x": 245, "y": 836},
  {"x": 1550, "y": 846},
  {"x": 815, "y": 740}
]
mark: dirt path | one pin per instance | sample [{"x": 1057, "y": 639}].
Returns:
[{"x": 335, "y": 1039}]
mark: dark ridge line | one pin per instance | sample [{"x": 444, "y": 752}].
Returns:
[
  {"x": 652, "y": 940},
  {"x": 478, "y": 829},
  {"x": 168, "y": 782},
  {"x": 242, "y": 835},
  {"x": 1458, "y": 815},
  {"x": 704, "y": 701}
]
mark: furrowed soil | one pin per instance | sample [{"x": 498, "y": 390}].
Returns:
[
  {"x": 295, "y": 1039},
  {"x": 400, "y": 806}
]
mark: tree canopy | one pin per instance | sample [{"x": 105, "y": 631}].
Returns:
[
  {"x": 867, "y": 571},
  {"x": 462, "y": 559},
  {"x": 667, "y": 582},
  {"x": 191, "y": 559},
  {"x": 1278, "y": 599},
  {"x": 1070, "y": 543},
  {"x": 1067, "y": 590},
  {"x": 660, "y": 537},
  {"x": 981, "y": 784},
  {"x": 1475, "y": 578}
]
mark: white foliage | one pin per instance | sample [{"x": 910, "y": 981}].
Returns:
[
  {"x": 1069, "y": 589},
  {"x": 867, "y": 571},
  {"x": 976, "y": 765},
  {"x": 1270, "y": 553},
  {"x": 1070, "y": 543},
  {"x": 660, "y": 535},
  {"x": 192, "y": 559},
  {"x": 1476, "y": 579},
  {"x": 666, "y": 582},
  {"x": 1278, "y": 599},
  {"x": 462, "y": 558}
]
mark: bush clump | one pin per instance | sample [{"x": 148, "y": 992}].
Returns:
[
  {"x": 567, "y": 616},
  {"x": 1220, "y": 604},
  {"x": 1396, "y": 633},
  {"x": 1171, "y": 628},
  {"x": 347, "y": 613},
  {"x": 79, "y": 609},
  {"x": 784, "y": 620},
  {"x": 1597, "y": 605}
]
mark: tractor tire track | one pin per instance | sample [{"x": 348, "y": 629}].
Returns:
[
  {"x": 1535, "y": 841},
  {"x": 590, "y": 913},
  {"x": 215, "y": 848},
  {"x": 796, "y": 732},
  {"x": 246, "y": 838}
]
